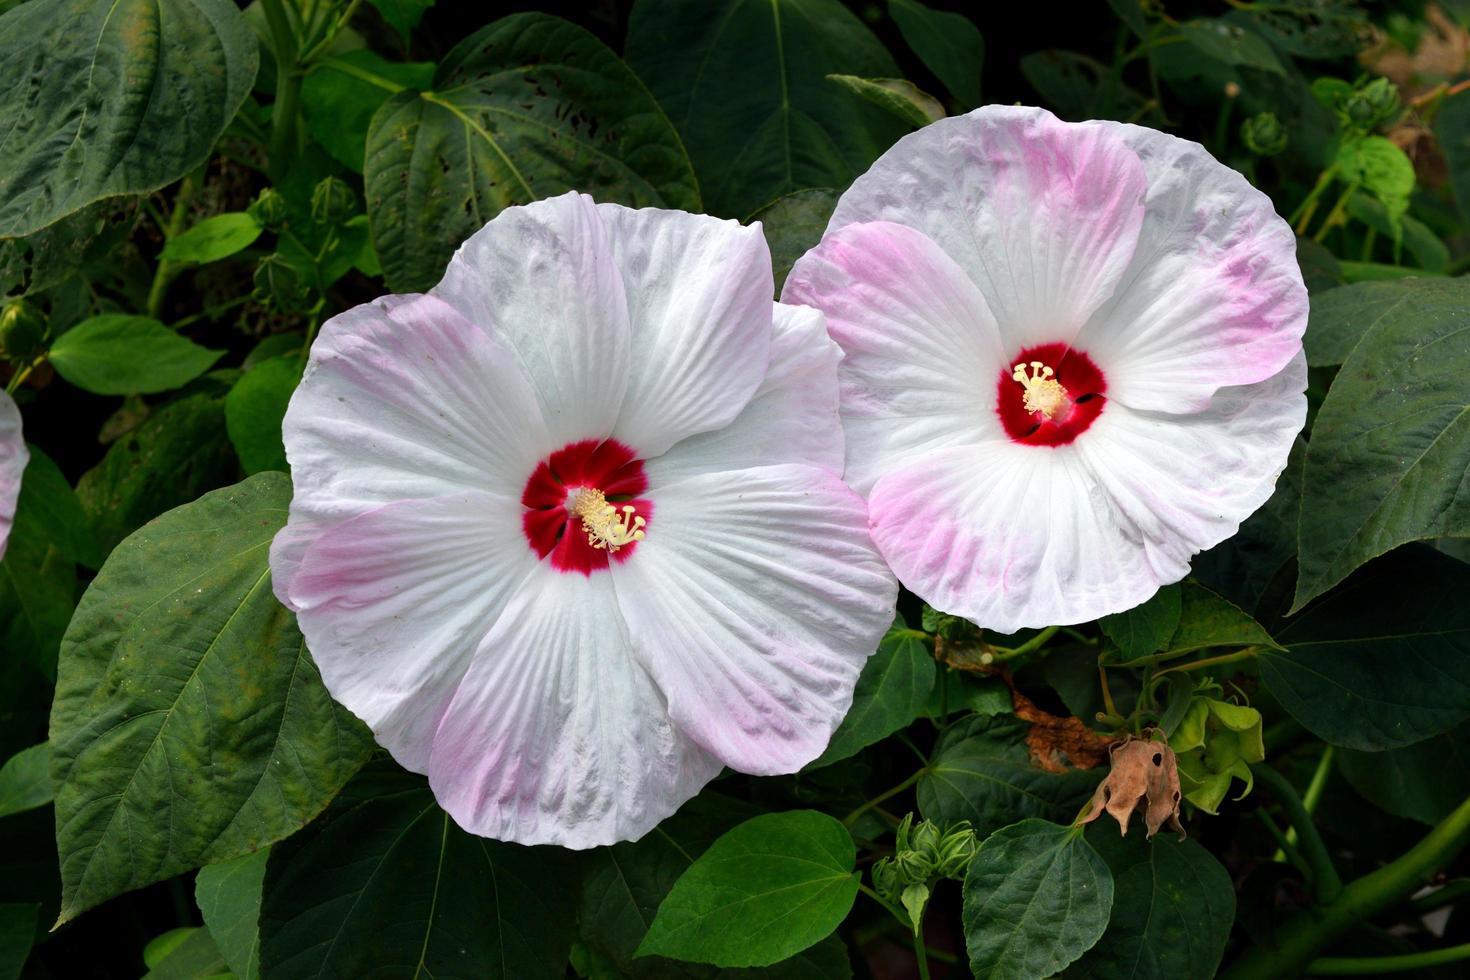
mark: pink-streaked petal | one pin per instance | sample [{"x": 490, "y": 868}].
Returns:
[
  {"x": 699, "y": 304},
  {"x": 921, "y": 346},
  {"x": 1043, "y": 215},
  {"x": 403, "y": 398},
  {"x": 753, "y": 602},
  {"x": 394, "y": 603},
  {"x": 791, "y": 419},
  {"x": 1213, "y": 296},
  {"x": 542, "y": 279},
  {"x": 556, "y": 735},
  {"x": 1014, "y": 536},
  {"x": 13, "y": 459}
]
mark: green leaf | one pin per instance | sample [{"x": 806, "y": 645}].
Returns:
[
  {"x": 115, "y": 98},
  {"x": 228, "y": 895},
  {"x": 764, "y": 891},
  {"x": 745, "y": 83},
  {"x": 180, "y": 452},
  {"x": 50, "y": 503},
  {"x": 1389, "y": 450},
  {"x": 1428, "y": 249},
  {"x": 1452, "y": 130},
  {"x": 191, "y": 955},
  {"x": 402, "y": 15},
  {"x": 1341, "y": 317},
  {"x": 898, "y": 96},
  {"x": 38, "y": 587},
  {"x": 1384, "y": 661},
  {"x": 180, "y": 660},
  {"x": 528, "y": 107},
  {"x": 1078, "y": 87},
  {"x": 1173, "y": 906},
  {"x": 1380, "y": 167},
  {"x": 1037, "y": 896},
  {"x": 892, "y": 691},
  {"x": 255, "y": 407},
  {"x": 1424, "y": 781},
  {"x": 1144, "y": 629},
  {"x": 1321, "y": 270},
  {"x": 341, "y": 93},
  {"x": 948, "y": 44},
  {"x": 794, "y": 224},
  {"x": 214, "y": 238},
  {"x": 1312, "y": 29},
  {"x": 119, "y": 354},
  {"x": 385, "y": 884},
  {"x": 1230, "y": 43},
  {"x": 1210, "y": 620},
  {"x": 17, "y": 933},
  {"x": 982, "y": 772},
  {"x": 25, "y": 782}
]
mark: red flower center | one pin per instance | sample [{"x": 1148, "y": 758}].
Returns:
[
  {"x": 566, "y": 520},
  {"x": 1049, "y": 395}
]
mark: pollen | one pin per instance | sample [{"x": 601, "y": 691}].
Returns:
[
  {"x": 607, "y": 528},
  {"x": 1043, "y": 393}
]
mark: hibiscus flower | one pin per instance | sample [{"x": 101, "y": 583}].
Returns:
[
  {"x": 13, "y": 459},
  {"x": 1072, "y": 359},
  {"x": 566, "y": 531}
]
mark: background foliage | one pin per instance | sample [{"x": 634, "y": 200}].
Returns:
[{"x": 189, "y": 188}]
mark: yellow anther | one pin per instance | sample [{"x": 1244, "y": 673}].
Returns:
[
  {"x": 1044, "y": 393},
  {"x": 605, "y": 527}
]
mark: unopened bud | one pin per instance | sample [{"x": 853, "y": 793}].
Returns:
[
  {"x": 269, "y": 209},
  {"x": 22, "y": 329},
  {"x": 1263, "y": 134},
  {"x": 332, "y": 202}
]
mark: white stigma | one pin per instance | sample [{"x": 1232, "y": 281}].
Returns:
[
  {"x": 1043, "y": 393},
  {"x": 606, "y": 528}
]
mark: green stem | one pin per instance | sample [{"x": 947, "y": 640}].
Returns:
[
  {"x": 1030, "y": 646},
  {"x": 1306, "y": 934},
  {"x": 1224, "y": 658},
  {"x": 1335, "y": 216},
  {"x": 19, "y": 377},
  {"x": 288, "y": 88},
  {"x": 331, "y": 34},
  {"x": 1372, "y": 966},
  {"x": 1440, "y": 897},
  {"x": 921, "y": 952},
  {"x": 1303, "y": 212},
  {"x": 167, "y": 271},
  {"x": 851, "y": 818},
  {"x": 1287, "y": 849},
  {"x": 893, "y": 910},
  {"x": 1313, "y": 795},
  {"x": 1326, "y": 885}
]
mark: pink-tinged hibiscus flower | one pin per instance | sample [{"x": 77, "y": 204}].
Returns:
[
  {"x": 13, "y": 459},
  {"x": 566, "y": 531},
  {"x": 1073, "y": 359}
]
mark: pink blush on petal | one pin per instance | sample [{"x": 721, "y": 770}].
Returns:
[{"x": 552, "y": 531}]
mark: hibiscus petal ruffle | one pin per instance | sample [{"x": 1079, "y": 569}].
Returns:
[
  {"x": 13, "y": 459},
  {"x": 1213, "y": 296},
  {"x": 556, "y": 735},
  {"x": 699, "y": 307},
  {"x": 542, "y": 279},
  {"x": 792, "y": 418},
  {"x": 402, "y": 398},
  {"x": 754, "y": 602},
  {"x": 921, "y": 346},
  {"x": 394, "y": 603},
  {"x": 1043, "y": 215}
]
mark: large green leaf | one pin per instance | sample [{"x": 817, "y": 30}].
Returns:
[
  {"x": 1173, "y": 906},
  {"x": 1231, "y": 44},
  {"x": 1424, "y": 781},
  {"x": 794, "y": 224},
  {"x": 228, "y": 896},
  {"x": 1343, "y": 316},
  {"x": 1210, "y": 620},
  {"x": 892, "y": 691},
  {"x": 17, "y": 932},
  {"x": 745, "y": 83},
  {"x": 1037, "y": 897},
  {"x": 948, "y": 44},
  {"x": 25, "y": 782},
  {"x": 625, "y": 884},
  {"x": 49, "y": 501},
  {"x": 179, "y": 660},
  {"x": 119, "y": 354},
  {"x": 1452, "y": 128},
  {"x": 764, "y": 891},
  {"x": 525, "y": 108},
  {"x": 1145, "y": 628},
  {"x": 1390, "y": 448},
  {"x": 255, "y": 408},
  {"x": 112, "y": 98},
  {"x": 1384, "y": 661},
  {"x": 385, "y": 884},
  {"x": 342, "y": 92},
  {"x": 179, "y": 452},
  {"x": 982, "y": 772},
  {"x": 38, "y": 583}
]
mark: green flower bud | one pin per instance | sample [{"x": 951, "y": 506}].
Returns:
[
  {"x": 887, "y": 880},
  {"x": 1372, "y": 104},
  {"x": 22, "y": 329},
  {"x": 269, "y": 208},
  {"x": 1263, "y": 134},
  {"x": 332, "y": 202},
  {"x": 279, "y": 285}
]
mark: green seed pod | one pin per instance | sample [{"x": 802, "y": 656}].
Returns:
[
  {"x": 1263, "y": 134},
  {"x": 269, "y": 208},
  {"x": 332, "y": 202},
  {"x": 22, "y": 329},
  {"x": 279, "y": 285}
]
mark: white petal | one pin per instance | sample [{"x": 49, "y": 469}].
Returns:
[
  {"x": 791, "y": 419},
  {"x": 699, "y": 303},
  {"x": 1213, "y": 296},
  {"x": 556, "y": 735},
  {"x": 753, "y": 602},
  {"x": 922, "y": 350},
  {"x": 542, "y": 279},
  {"x": 1042, "y": 214},
  {"x": 13, "y": 459},
  {"x": 402, "y": 399},
  {"x": 394, "y": 603}
]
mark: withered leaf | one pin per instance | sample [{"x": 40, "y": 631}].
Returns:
[{"x": 1145, "y": 776}]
